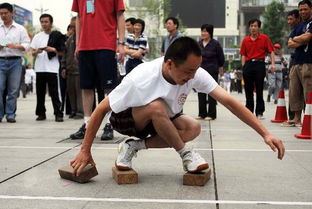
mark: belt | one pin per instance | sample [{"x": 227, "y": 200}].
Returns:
[
  {"x": 10, "y": 58},
  {"x": 256, "y": 60}
]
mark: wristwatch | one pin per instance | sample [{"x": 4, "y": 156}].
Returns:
[{"x": 121, "y": 42}]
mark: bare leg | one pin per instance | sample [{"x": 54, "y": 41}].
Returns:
[
  {"x": 297, "y": 118},
  {"x": 170, "y": 133},
  {"x": 87, "y": 101}
]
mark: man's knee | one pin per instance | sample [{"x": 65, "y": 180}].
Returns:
[
  {"x": 157, "y": 108},
  {"x": 195, "y": 128}
]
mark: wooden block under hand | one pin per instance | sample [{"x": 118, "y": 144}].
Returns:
[
  {"x": 87, "y": 173},
  {"x": 197, "y": 179},
  {"x": 125, "y": 177}
]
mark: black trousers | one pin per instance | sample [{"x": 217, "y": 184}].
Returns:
[
  {"x": 42, "y": 79},
  {"x": 131, "y": 64},
  {"x": 65, "y": 97},
  {"x": 211, "y": 111},
  {"x": 254, "y": 73}
]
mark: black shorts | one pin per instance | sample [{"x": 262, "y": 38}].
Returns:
[
  {"x": 123, "y": 123},
  {"x": 98, "y": 69}
]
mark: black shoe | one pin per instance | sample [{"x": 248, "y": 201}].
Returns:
[
  {"x": 41, "y": 117},
  {"x": 59, "y": 118},
  {"x": 108, "y": 133},
  {"x": 80, "y": 133},
  {"x": 275, "y": 101},
  {"x": 11, "y": 120},
  {"x": 72, "y": 115}
]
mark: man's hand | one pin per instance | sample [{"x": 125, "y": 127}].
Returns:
[
  {"x": 275, "y": 144},
  {"x": 272, "y": 68},
  {"x": 35, "y": 52},
  {"x": 50, "y": 49},
  {"x": 11, "y": 46},
  {"x": 122, "y": 53},
  {"x": 76, "y": 53},
  {"x": 81, "y": 161}
]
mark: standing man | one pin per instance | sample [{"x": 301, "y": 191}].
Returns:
[
  {"x": 14, "y": 41},
  {"x": 47, "y": 67},
  {"x": 70, "y": 72},
  {"x": 301, "y": 73},
  {"x": 293, "y": 20},
  {"x": 172, "y": 25},
  {"x": 254, "y": 48},
  {"x": 96, "y": 33}
]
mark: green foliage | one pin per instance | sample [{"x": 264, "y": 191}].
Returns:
[{"x": 274, "y": 22}]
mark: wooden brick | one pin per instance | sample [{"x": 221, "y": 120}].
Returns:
[
  {"x": 197, "y": 179},
  {"x": 125, "y": 177},
  {"x": 87, "y": 173}
]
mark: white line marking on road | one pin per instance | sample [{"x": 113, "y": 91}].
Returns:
[
  {"x": 152, "y": 149},
  {"x": 244, "y": 130},
  {"x": 172, "y": 201}
]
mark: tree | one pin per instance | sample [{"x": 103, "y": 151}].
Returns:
[{"x": 274, "y": 22}]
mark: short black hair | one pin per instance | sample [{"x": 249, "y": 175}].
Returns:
[
  {"x": 308, "y": 2},
  {"x": 48, "y": 16},
  {"x": 140, "y": 21},
  {"x": 252, "y": 21},
  {"x": 294, "y": 12},
  {"x": 7, "y": 6},
  {"x": 181, "y": 48},
  {"x": 208, "y": 28},
  {"x": 174, "y": 20},
  {"x": 131, "y": 20}
]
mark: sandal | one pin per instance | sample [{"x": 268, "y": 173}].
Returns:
[
  {"x": 288, "y": 124},
  {"x": 298, "y": 125}
]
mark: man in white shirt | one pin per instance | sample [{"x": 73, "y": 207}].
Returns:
[
  {"x": 148, "y": 104},
  {"x": 47, "y": 69},
  {"x": 14, "y": 41}
]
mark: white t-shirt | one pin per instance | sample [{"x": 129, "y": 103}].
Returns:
[
  {"x": 43, "y": 63},
  {"x": 146, "y": 83},
  {"x": 30, "y": 76}
]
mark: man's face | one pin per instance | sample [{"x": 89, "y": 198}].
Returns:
[
  {"x": 46, "y": 25},
  {"x": 129, "y": 27},
  {"x": 170, "y": 26},
  {"x": 72, "y": 26},
  {"x": 305, "y": 12},
  {"x": 6, "y": 15},
  {"x": 292, "y": 21},
  {"x": 277, "y": 50},
  {"x": 254, "y": 28},
  {"x": 184, "y": 72},
  {"x": 205, "y": 35}
]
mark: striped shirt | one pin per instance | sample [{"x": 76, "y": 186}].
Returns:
[{"x": 136, "y": 44}]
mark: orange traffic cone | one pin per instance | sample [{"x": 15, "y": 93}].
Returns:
[
  {"x": 281, "y": 112},
  {"x": 307, "y": 120}
]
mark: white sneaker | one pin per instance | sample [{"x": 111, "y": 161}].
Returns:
[
  {"x": 126, "y": 151},
  {"x": 193, "y": 162}
]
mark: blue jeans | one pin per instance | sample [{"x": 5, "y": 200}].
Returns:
[
  {"x": 275, "y": 83},
  {"x": 10, "y": 74}
]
